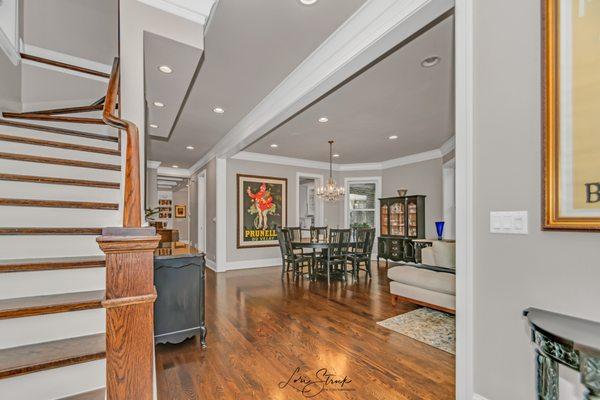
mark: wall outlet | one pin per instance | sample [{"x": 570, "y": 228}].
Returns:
[{"x": 512, "y": 222}]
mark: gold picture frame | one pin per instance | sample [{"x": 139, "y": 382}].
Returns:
[
  {"x": 571, "y": 189},
  {"x": 180, "y": 211}
]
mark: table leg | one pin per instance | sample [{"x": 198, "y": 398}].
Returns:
[
  {"x": 328, "y": 265},
  {"x": 547, "y": 377},
  {"x": 590, "y": 376}
]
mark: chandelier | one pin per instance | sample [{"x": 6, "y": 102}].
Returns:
[{"x": 331, "y": 191}]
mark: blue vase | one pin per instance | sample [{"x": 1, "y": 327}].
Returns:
[{"x": 439, "y": 227}]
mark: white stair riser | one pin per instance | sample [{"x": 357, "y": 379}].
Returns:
[
  {"x": 37, "y": 283},
  {"x": 43, "y": 217},
  {"x": 58, "y": 171},
  {"x": 31, "y": 190},
  {"x": 41, "y": 246},
  {"x": 54, "y": 152},
  {"x": 44, "y": 328},
  {"x": 56, "y": 383},
  {"x": 56, "y": 137}
]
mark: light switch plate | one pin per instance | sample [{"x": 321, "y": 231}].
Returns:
[{"x": 512, "y": 222}]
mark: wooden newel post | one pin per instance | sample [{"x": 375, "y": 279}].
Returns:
[{"x": 129, "y": 304}]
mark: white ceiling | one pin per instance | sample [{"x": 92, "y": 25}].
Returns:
[
  {"x": 396, "y": 96},
  {"x": 82, "y": 28},
  {"x": 250, "y": 47},
  {"x": 169, "y": 89}
]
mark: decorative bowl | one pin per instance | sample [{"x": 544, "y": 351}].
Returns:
[{"x": 402, "y": 192}]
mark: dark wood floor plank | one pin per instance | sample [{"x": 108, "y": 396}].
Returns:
[
  {"x": 261, "y": 328},
  {"x": 59, "y": 353},
  {"x": 51, "y": 263},
  {"x": 59, "y": 204},
  {"x": 50, "y": 304},
  {"x": 59, "y": 181}
]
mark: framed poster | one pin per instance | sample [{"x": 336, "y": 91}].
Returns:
[
  {"x": 180, "y": 211},
  {"x": 571, "y": 114},
  {"x": 262, "y": 208}
]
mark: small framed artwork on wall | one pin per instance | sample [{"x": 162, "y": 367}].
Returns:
[
  {"x": 180, "y": 211},
  {"x": 571, "y": 121}
]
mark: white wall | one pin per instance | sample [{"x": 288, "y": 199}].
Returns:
[
  {"x": 180, "y": 197},
  {"x": 557, "y": 271}
]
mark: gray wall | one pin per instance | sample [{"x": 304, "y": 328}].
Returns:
[
  {"x": 10, "y": 84},
  {"x": 331, "y": 213},
  {"x": 557, "y": 271},
  {"x": 180, "y": 197},
  {"x": 211, "y": 209},
  {"x": 420, "y": 178},
  {"x": 151, "y": 188}
]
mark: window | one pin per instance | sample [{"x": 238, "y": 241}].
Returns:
[{"x": 361, "y": 202}]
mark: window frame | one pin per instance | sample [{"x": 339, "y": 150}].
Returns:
[{"x": 370, "y": 179}]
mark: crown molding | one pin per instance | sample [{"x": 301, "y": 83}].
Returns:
[
  {"x": 153, "y": 164},
  {"x": 177, "y": 172},
  {"x": 374, "y": 28},
  {"x": 448, "y": 146},
  {"x": 196, "y": 11},
  {"x": 302, "y": 163},
  {"x": 64, "y": 58}
]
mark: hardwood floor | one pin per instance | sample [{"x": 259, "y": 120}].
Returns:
[{"x": 260, "y": 329}]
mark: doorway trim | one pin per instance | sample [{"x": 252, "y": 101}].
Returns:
[
  {"x": 319, "y": 179},
  {"x": 201, "y": 221}
]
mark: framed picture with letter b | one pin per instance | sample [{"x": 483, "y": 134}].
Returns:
[
  {"x": 262, "y": 208},
  {"x": 571, "y": 114}
]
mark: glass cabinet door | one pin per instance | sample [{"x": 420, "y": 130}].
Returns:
[
  {"x": 411, "y": 205},
  {"x": 397, "y": 227},
  {"x": 384, "y": 220}
]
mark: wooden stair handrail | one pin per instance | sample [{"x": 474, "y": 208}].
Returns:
[{"x": 132, "y": 216}]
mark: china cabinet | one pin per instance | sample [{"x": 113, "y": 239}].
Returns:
[{"x": 402, "y": 219}]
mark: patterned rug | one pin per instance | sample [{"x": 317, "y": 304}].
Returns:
[{"x": 429, "y": 326}]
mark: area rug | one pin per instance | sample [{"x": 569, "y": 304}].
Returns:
[{"x": 431, "y": 327}]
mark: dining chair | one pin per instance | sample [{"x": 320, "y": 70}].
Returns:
[
  {"x": 339, "y": 245},
  {"x": 318, "y": 234},
  {"x": 362, "y": 251},
  {"x": 289, "y": 257}
]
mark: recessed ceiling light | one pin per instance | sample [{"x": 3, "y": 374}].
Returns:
[
  {"x": 430, "y": 61},
  {"x": 165, "y": 68},
  {"x": 189, "y": 147},
  {"x": 308, "y": 2},
  {"x": 323, "y": 120},
  {"x": 336, "y": 155},
  {"x": 158, "y": 104},
  {"x": 393, "y": 137},
  {"x": 175, "y": 166},
  {"x": 218, "y": 110},
  {"x": 153, "y": 126},
  {"x": 274, "y": 145}
]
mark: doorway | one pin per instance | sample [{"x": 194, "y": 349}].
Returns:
[
  {"x": 201, "y": 180},
  {"x": 309, "y": 211}
]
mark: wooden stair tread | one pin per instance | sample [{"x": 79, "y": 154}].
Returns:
[
  {"x": 59, "y": 161},
  {"x": 98, "y": 394},
  {"x": 59, "y": 353},
  {"x": 50, "y": 304},
  {"x": 50, "y": 231},
  {"x": 61, "y": 145},
  {"x": 60, "y": 131},
  {"x": 59, "y": 204},
  {"x": 59, "y": 181},
  {"x": 55, "y": 118},
  {"x": 52, "y": 263}
]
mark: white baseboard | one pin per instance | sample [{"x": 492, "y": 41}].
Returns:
[
  {"x": 478, "y": 397},
  {"x": 211, "y": 264},
  {"x": 248, "y": 264}
]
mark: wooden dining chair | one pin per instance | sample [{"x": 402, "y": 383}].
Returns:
[
  {"x": 318, "y": 234},
  {"x": 362, "y": 251},
  {"x": 288, "y": 257},
  {"x": 339, "y": 240}
]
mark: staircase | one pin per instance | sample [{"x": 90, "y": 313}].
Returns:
[{"x": 60, "y": 185}]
